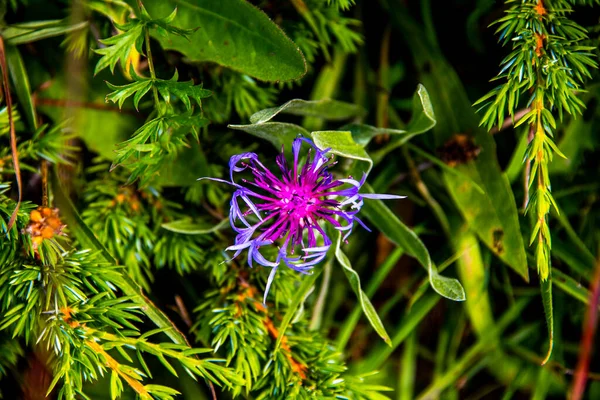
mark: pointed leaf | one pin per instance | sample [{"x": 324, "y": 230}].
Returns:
[
  {"x": 546, "y": 290},
  {"x": 29, "y": 32},
  {"x": 342, "y": 144},
  {"x": 20, "y": 81},
  {"x": 363, "y": 299}
]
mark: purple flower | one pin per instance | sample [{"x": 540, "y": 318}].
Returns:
[{"x": 291, "y": 210}]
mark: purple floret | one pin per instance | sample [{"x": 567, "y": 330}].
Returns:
[{"x": 287, "y": 210}]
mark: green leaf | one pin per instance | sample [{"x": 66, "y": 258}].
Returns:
[
  {"x": 29, "y": 32},
  {"x": 232, "y": 33},
  {"x": 493, "y": 215},
  {"x": 328, "y": 109},
  {"x": 183, "y": 90},
  {"x": 380, "y": 275},
  {"x": 119, "y": 47},
  {"x": 277, "y": 133},
  {"x": 385, "y": 220},
  {"x": 342, "y": 144},
  {"x": 363, "y": 299},
  {"x": 546, "y": 289},
  {"x": 422, "y": 120},
  {"x": 187, "y": 226},
  {"x": 122, "y": 93}
]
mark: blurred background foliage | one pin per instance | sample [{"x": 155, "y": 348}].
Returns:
[{"x": 114, "y": 282}]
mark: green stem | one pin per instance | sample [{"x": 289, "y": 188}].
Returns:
[
  {"x": 151, "y": 65},
  {"x": 317, "y": 315}
]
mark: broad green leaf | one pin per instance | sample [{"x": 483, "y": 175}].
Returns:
[
  {"x": 363, "y": 299},
  {"x": 387, "y": 222},
  {"x": 493, "y": 215},
  {"x": 328, "y": 109},
  {"x": 445, "y": 167},
  {"x": 546, "y": 289},
  {"x": 277, "y": 133},
  {"x": 20, "y": 81},
  {"x": 187, "y": 226},
  {"x": 28, "y": 32},
  {"x": 342, "y": 144},
  {"x": 232, "y": 33}
]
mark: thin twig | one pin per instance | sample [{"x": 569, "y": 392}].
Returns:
[
  {"x": 82, "y": 104},
  {"x": 13, "y": 135}
]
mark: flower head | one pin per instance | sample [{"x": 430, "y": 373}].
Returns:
[{"x": 290, "y": 209}]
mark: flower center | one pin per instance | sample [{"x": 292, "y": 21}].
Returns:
[{"x": 297, "y": 202}]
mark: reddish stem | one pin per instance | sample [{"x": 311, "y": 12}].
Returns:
[{"x": 587, "y": 337}]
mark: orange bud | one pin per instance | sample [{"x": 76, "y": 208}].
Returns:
[
  {"x": 54, "y": 223},
  {"x": 35, "y": 216},
  {"x": 47, "y": 232}
]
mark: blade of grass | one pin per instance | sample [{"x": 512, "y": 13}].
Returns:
[
  {"x": 408, "y": 369},
  {"x": 483, "y": 346}
]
